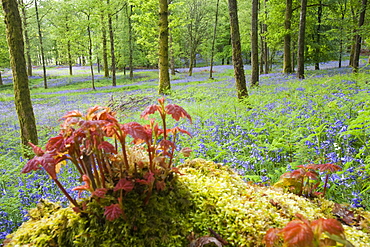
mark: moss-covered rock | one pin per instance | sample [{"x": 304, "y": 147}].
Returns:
[{"x": 208, "y": 195}]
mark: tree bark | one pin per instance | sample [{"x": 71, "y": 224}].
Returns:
[
  {"x": 90, "y": 53},
  {"x": 26, "y": 38},
  {"x": 1, "y": 80},
  {"x": 164, "y": 76},
  {"x": 41, "y": 45},
  {"x": 22, "y": 98},
  {"x": 113, "y": 57},
  {"x": 130, "y": 43},
  {"x": 254, "y": 44},
  {"x": 241, "y": 86},
  {"x": 104, "y": 47},
  {"x": 287, "y": 67},
  {"x": 214, "y": 40},
  {"x": 318, "y": 30},
  {"x": 301, "y": 40},
  {"x": 358, "y": 38}
]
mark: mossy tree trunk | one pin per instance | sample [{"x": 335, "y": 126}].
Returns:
[
  {"x": 214, "y": 40},
  {"x": 130, "y": 43},
  {"x": 254, "y": 44},
  {"x": 241, "y": 85},
  {"x": 301, "y": 40},
  {"x": 22, "y": 97},
  {"x": 287, "y": 67},
  {"x": 358, "y": 38},
  {"x": 26, "y": 38},
  {"x": 164, "y": 75},
  {"x": 104, "y": 46},
  {"x": 111, "y": 38}
]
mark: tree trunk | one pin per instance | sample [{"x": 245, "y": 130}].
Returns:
[
  {"x": 172, "y": 60},
  {"x": 90, "y": 52},
  {"x": 113, "y": 57},
  {"x": 343, "y": 13},
  {"x": 287, "y": 67},
  {"x": 318, "y": 30},
  {"x": 241, "y": 86},
  {"x": 214, "y": 40},
  {"x": 104, "y": 48},
  {"x": 41, "y": 45},
  {"x": 1, "y": 80},
  {"x": 131, "y": 48},
  {"x": 69, "y": 49},
  {"x": 301, "y": 37},
  {"x": 22, "y": 98},
  {"x": 26, "y": 38},
  {"x": 264, "y": 43},
  {"x": 254, "y": 44},
  {"x": 164, "y": 76},
  {"x": 358, "y": 38}
]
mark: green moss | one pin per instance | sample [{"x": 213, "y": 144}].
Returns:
[{"x": 208, "y": 195}]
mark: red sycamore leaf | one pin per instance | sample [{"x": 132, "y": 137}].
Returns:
[
  {"x": 177, "y": 129},
  {"x": 333, "y": 226},
  {"x": 37, "y": 150},
  {"x": 113, "y": 212},
  {"x": 124, "y": 184},
  {"x": 272, "y": 236},
  {"x": 136, "y": 130},
  {"x": 86, "y": 186},
  {"x": 298, "y": 234},
  {"x": 148, "y": 179},
  {"x": 32, "y": 165},
  {"x": 312, "y": 175},
  {"x": 56, "y": 142},
  {"x": 329, "y": 167},
  {"x": 100, "y": 192},
  {"x": 149, "y": 110},
  {"x": 107, "y": 147},
  {"x": 70, "y": 114},
  {"x": 177, "y": 112}
]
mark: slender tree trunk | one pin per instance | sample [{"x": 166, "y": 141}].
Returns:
[
  {"x": 90, "y": 53},
  {"x": 358, "y": 38},
  {"x": 164, "y": 76},
  {"x": 130, "y": 43},
  {"x": 22, "y": 98},
  {"x": 26, "y": 38},
  {"x": 264, "y": 43},
  {"x": 343, "y": 11},
  {"x": 240, "y": 82},
  {"x": 41, "y": 45},
  {"x": 70, "y": 63},
  {"x": 318, "y": 30},
  {"x": 69, "y": 49},
  {"x": 254, "y": 44},
  {"x": 172, "y": 60},
  {"x": 1, "y": 80},
  {"x": 301, "y": 37},
  {"x": 104, "y": 44},
  {"x": 113, "y": 56},
  {"x": 287, "y": 67},
  {"x": 214, "y": 40}
]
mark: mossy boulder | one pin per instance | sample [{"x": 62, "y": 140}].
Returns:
[{"x": 207, "y": 195}]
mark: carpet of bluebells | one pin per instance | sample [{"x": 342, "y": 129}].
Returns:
[{"x": 284, "y": 123}]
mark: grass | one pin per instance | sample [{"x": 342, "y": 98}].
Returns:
[{"x": 284, "y": 123}]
